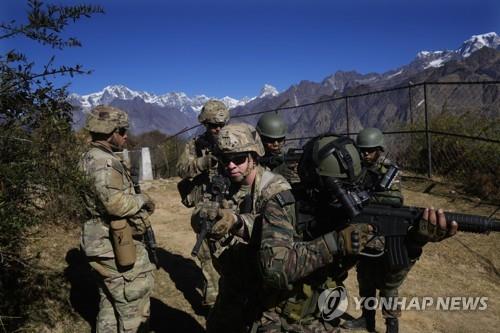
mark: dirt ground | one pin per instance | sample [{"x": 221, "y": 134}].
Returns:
[{"x": 465, "y": 265}]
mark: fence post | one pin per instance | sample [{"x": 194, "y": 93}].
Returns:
[
  {"x": 427, "y": 134},
  {"x": 409, "y": 102},
  {"x": 347, "y": 114}
]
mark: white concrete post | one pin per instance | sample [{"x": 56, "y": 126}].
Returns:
[{"x": 146, "y": 166}]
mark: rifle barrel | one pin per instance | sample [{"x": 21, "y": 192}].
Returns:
[{"x": 473, "y": 223}]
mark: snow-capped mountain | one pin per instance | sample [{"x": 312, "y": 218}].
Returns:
[
  {"x": 491, "y": 40},
  {"x": 424, "y": 60},
  {"x": 268, "y": 90},
  {"x": 477, "y": 59},
  {"x": 178, "y": 109},
  {"x": 427, "y": 59},
  {"x": 174, "y": 111}
]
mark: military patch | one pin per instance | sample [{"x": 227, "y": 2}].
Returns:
[{"x": 285, "y": 198}]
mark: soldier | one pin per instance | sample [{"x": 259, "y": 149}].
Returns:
[
  {"x": 111, "y": 237},
  {"x": 374, "y": 273},
  {"x": 196, "y": 165},
  {"x": 272, "y": 130},
  {"x": 239, "y": 148},
  {"x": 300, "y": 257}
]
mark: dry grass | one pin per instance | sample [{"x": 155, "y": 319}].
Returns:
[{"x": 466, "y": 265}]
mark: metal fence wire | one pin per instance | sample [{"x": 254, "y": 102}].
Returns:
[{"x": 433, "y": 129}]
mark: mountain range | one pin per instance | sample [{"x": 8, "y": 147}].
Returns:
[{"x": 478, "y": 58}]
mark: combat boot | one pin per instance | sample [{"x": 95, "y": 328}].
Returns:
[
  {"x": 365, "y": 322},
  {"x": 392, "y": 325}
]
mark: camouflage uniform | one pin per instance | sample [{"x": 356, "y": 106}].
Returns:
[
  {"x": 124, "y": 292},
  {"x": 239, "y": 285},
  {"x": 297, "y": 262},
  {"x": 374, "y": 273},
  {"x": 195, "y": 181},
  {"x": 234, "y": 254}
]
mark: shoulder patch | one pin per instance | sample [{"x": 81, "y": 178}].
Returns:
[{"x": 285, "y": 198}]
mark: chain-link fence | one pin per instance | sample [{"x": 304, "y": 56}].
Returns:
[{"x": 437, "y": 129}]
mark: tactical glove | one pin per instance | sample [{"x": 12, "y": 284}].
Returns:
[
  {"x": 225, "y": 223},
  {"x": 426, "y": 231},
  {"x": 206, "y": 162},
  {"x": 348, "y": 241}
]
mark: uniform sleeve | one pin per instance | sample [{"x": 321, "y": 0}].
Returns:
[
  {"x": 247, "y": 228},
  {"x": 187, "y": 166},
  {"x": 284, "y": 260},
  {"x": 114, "y": 197}
]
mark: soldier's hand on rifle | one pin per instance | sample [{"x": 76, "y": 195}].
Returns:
[
  {"x": 226, "y": 220},
  {"x": 348, "y": 241},
  {"x": 149, "y": 204},
  {"x": 206, "y": 162},
  {"x": 433, "y": 227}
]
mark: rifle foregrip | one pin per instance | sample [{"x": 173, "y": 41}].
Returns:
[
  {"x": 473, "y": 223},
  {"x": 199, "y": 240}
]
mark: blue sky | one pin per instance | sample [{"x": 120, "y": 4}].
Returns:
[{"x": 232, "y": 48}]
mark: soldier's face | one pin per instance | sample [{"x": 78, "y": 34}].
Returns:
[
  {"x": 237, "y": 166},
  {"x": 119, "y": 138},
  {"x": 273, "y": 146},
  {"x": 370, "y": 155},
  {"x": 214, "y": 129}
]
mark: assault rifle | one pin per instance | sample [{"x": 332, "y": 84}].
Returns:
[
  {"x": 216, "y": 191},
  {"x": 394, "y": 223},
  {"x": 293, "y": 155},
  {"x": 149, "y": 235}
]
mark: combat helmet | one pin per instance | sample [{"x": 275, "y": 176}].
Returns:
[
  {"x": 330, "y": 156},
  {"x": 239, "y": 138},
  {"x": 214, "y": 112},
  {"x": 105, "y": 119},
  {"x": 370, "y": 137},
  {"x": 271, "y": 125}
]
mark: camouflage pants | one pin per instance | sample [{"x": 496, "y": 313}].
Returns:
[
  {"x": 211, "y": 287},
  {"x": 373, "y": 274},
  {"x": 124, "y": 305}
]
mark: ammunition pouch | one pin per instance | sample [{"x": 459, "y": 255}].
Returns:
[
  {"x": 191, "y": 190},
  {"x": 123, "y": 243}
]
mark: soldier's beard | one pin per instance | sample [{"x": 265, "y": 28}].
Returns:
[
  {"x": 243, "y": 176},
  {"x": 116, "y": 146}
]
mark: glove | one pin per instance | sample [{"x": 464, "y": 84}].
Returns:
[
  {"x": 149, "y": 204},
  {"x": 225, "y": 223},
  {"x": 348, "y": 241},
  {"x": 205, "y": 210},
  {"x": 427, "y": 231},
  {"x": 205, "y": 162}
]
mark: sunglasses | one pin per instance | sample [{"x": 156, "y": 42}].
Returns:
[
  {"x": 215, "y": 125},
  {"x": 272, "y": 140},
  {"x": 122, "y": 131},
  {"x": 236, "y": 158}
]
